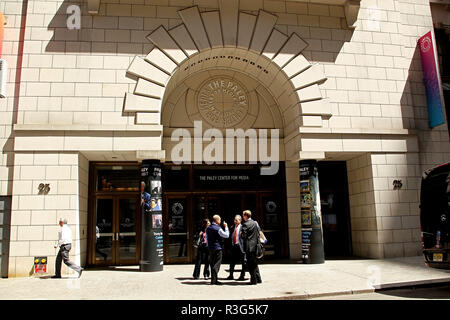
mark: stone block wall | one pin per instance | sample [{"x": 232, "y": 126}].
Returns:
[
  {"x": 385, "y": 220},
  {"x": 78, "y": 77},
  {"x": 35, "y": 214}
]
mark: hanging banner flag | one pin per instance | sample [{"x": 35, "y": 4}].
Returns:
[
  {"x": 2, "y": 26},
  {"x": 431, "y": 79}
]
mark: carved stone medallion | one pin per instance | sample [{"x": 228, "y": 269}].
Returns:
[{"x": 222, "y": 102}]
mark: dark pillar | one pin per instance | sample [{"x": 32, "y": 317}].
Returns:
[
  {"x": 5, "y": 222},
  {"x": 151, "y": 211},
  {"x": 312, "y": 235}
]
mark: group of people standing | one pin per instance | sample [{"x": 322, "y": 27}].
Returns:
[{"x": 244, "y": 236}]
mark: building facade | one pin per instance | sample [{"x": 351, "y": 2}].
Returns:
[{"x": 94, "y": 87}]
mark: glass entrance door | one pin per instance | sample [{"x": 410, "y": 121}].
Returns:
[
  {"x": 126, "y": 236},
  {"x": 115, "y": 230},
  {"x": 176, "y": 230},
  {"x": 104, "y": 231}
]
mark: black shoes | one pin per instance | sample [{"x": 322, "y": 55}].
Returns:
[
  {"x": 79, "y": 273},
  {"x": 242, "y": 278},
  {"x": 56, "y": 277},
  {"x": 230, "y": 278},
  {"x": 257, "y": 281},
  {"x": 217, "y": 283}
]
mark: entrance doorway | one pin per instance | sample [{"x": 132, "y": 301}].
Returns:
[
  {"x": 114, "y": 215},
  {"x": 208, "y": 191},
  {"x": 333, "y": 185}
]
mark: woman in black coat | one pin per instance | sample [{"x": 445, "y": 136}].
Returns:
[{"x": 202, "y": 252}]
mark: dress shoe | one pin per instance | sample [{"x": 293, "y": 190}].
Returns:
[
  {"x": 241, "y": 278},
  {"x": 56, "y": 277},
  {"x": 252, "y": 283},
  {"x": 217, "y": 283},
  {"x": 230, "y": 278},
  {"x": 195, "y": 278},
  {"x": 79, "y": 273}
]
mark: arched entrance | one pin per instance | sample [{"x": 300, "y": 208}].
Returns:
[{"x": 219, "y": 73}]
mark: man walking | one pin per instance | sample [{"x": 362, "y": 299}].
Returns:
[
  {"x": 65, "y": 244},
  {"x": 214, "y": 235},
  {"x": 250, "y": 237},
  {"x": 237, "y": 249}
]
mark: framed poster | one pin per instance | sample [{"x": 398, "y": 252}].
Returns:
[
  {"x": 304, "y": 186},
  {"x": 306, "y": 217},
  {"x": 305, "y": 200},
  {"x": 157, "y": 221}
]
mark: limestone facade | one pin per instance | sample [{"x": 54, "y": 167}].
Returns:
[{"x": 115, "y": 89}]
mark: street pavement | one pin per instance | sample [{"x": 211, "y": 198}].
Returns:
[{"x": 284, "y": 280}]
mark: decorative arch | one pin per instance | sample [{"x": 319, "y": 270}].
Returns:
[{"x": 230, "y": 40}]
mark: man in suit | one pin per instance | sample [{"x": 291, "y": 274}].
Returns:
[
  {"x": 237, "y": 248},
  {"x": 250, "y": 237},
  {"x": 214, "y": 236}
]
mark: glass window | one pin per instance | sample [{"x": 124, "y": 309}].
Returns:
[
  {"x": 117, "y": 178},
  {"x": 176, "y": 178}
]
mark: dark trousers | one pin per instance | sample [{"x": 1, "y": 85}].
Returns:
[
  {"x": 215, "y": 259},
  {"x": 253, "y": 269},
  {"x": 237, "y": 256},
  {"x": 202, "y": 257},
  {"x": 63, "y": 255}
]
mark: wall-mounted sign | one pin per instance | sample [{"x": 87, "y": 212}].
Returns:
[
  {"x": 44, "y": 188},
  {"x": 220, "y": 179},
  {"x": 40, "y": 265},
  {"x": 432, "y": 79}
]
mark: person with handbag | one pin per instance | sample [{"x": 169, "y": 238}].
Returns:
[
  {"x": 237, "y": 248},
  {"x": 202, "y": 252},
  {"x": 250, "y": 235}
]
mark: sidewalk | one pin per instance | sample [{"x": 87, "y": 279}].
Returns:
[{"x": 280, "y": 281}]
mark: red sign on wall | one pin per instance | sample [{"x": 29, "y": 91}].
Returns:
[{"x": 40, "y": 265}]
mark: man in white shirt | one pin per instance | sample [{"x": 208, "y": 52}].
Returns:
[
  {"x": 237, "y": 248},
  {"x": 65, "y": 244}
]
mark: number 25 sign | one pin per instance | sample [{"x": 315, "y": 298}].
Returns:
[{"x": 44, "y": 188}]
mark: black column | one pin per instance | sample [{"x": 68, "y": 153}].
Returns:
[
  {"x": 151, "y": 211},
  {"x": 312, "y": 235},
  {"x": 5, "y": 226}
]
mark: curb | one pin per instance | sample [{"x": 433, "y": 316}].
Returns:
[
  {"x": 387, "y": 286},
  {"x": 319, "y": 295},
  {"x": 396, "y": 285}
]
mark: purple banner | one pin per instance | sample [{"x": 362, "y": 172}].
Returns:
[{"x": 431, "y": 80}]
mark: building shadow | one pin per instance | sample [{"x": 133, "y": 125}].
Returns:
[
  {"x": 97, "y": 34},
  {"x": 113, "y": 268},
  {"x": 420, "y": 292},
  {"x": 109, "y": 33},
  {"x": 224, "y": 281}
]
